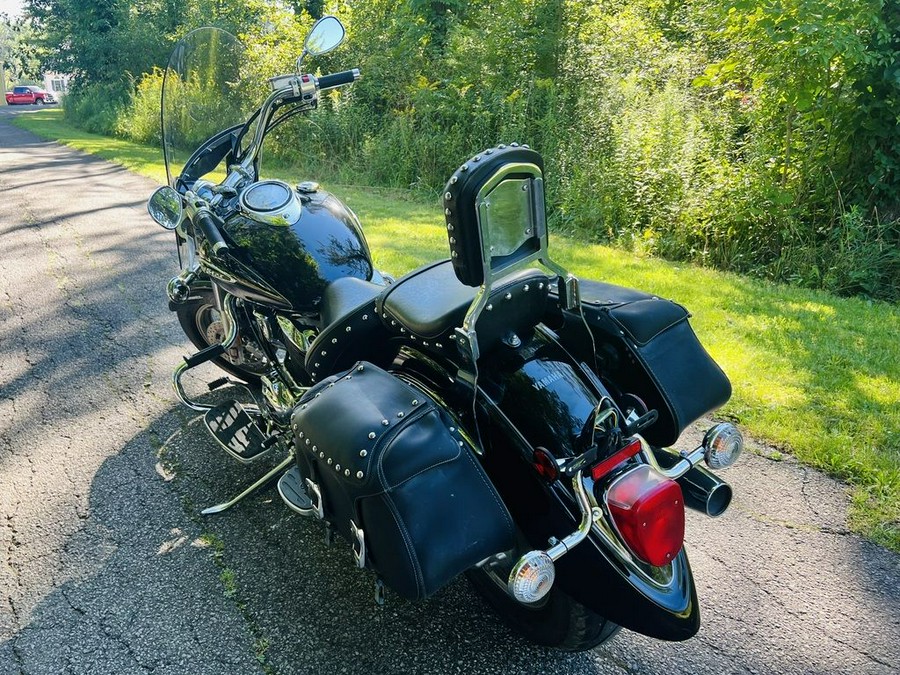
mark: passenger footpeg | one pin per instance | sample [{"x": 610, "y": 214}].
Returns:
[
  {"x": 236, "y": 432},
  {"x": 292, "y": 489}
]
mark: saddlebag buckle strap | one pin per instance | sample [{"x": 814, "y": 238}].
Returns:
[
  {"x": 315, "y": 496},
  {"x": 358, "y": 543}
]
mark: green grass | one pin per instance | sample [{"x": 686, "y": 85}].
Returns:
[{"x": 813, "y": 374}]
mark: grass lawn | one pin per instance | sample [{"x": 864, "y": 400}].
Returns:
[{"x": 813, "y": 374}]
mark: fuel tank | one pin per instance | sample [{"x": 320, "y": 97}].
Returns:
[{"x": 287, "y": 262}]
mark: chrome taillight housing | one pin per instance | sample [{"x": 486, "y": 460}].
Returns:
[{"x": 647, "y": 510}]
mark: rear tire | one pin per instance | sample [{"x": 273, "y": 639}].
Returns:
[
  {"x": 560, "y": 621},
  {"x": 197, "y": 316}
]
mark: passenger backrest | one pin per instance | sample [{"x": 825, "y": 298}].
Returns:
[{"x": 497, "y": 224}]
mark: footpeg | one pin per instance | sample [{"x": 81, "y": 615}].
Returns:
[
  {"x": 236, "y": 432},
  {"x": 293, "y": 492}
]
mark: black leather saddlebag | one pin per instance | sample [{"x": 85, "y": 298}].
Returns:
[
  {"x": 389, "y": 463},
  {"x": 646, "y": 347}
]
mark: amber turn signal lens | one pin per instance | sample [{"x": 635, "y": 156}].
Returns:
[
  {"x": 532, "y": 577},
  {"x": 722, "y": 446}
]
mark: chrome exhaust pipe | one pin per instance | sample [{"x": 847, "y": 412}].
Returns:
[{"x": 703, "y": 490}]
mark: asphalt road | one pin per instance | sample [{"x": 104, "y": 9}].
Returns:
[{"x": 107, "y": 567}]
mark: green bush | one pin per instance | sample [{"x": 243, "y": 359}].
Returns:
[
  {"x": 96, "y": 107},
  {"x": 139, "y": 121},
  {"x": 753, "y": 136}
]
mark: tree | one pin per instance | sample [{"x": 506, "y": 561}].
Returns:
[{"x": 18, "y": 50}]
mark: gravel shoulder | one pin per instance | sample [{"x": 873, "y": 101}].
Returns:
[{"x": 107, "y": 568}]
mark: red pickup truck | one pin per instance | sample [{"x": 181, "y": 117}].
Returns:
[{"x": 27, "y": 95}]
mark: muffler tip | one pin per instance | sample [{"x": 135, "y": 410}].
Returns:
[{"x": 719, "y": 500}]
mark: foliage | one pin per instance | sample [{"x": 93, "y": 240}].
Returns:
[
  {"x": 752, "y": 135},
  {"x": 18, "y": 51}
]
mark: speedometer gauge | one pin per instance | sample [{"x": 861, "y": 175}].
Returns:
[{"x": 271, "y": 201}]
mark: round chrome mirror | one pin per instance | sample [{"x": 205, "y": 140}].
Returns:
[
  {"x": 327, "y": 33},
  {"x": 165, "y": 207}
]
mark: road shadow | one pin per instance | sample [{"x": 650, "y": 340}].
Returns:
[{"x": 154, "y": 586}]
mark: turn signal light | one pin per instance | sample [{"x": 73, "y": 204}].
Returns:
[
  {"x": 722, "y": 446},
  {"x": 532, "y": 577},
  {"x": 648, "y": 512}
]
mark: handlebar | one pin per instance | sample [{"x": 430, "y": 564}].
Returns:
[
  {"x": 338, "y": 79},
  {"x": 207, "y": 224},
  {"x": 285, "y": 89}
]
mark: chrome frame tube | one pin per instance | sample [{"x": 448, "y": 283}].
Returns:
[
  {"x": 688, "y": 460},
  {"x": 560, "y": 548}
]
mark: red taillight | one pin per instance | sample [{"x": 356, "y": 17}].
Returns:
[{"x": 648, "y": 511}]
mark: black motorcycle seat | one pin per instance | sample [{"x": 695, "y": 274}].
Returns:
[
  {"x": 429, "y": 303},
  {"x": 350, "y": 328},
  {"x": 344, "y": 295}
]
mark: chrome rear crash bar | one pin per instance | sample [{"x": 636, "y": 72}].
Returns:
[{"x": 565, "y": 545}]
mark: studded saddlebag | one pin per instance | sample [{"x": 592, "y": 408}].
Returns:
[
  {"x": 390, "y": 463},
  {"x": 645, "y": 347}
]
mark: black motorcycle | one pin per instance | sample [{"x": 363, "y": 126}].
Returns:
[{"x": 487, "y": 414}]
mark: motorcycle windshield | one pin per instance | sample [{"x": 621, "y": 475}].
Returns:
[{"x": 201, "y": 96}]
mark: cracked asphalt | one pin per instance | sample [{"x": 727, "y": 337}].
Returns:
[{"x": 108, "y": 568}]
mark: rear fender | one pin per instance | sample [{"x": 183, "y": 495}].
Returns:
[
  {"x": 589, "y": 572},
  {"x": 537, "y": 397}
]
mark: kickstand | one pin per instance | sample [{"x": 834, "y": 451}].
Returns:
[
  {"x": 262, "y": 482},
  {"x": 379, "y": 592},
  {"x": 329, "y": 534}
]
